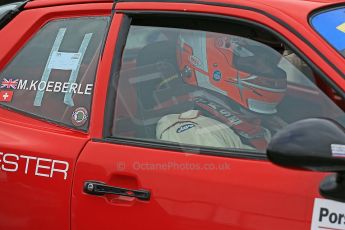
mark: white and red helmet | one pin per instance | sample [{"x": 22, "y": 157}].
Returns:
[{"x": 242, "y": 69}]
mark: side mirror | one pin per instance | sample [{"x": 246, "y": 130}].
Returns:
[{"x": 314, "y": 144}]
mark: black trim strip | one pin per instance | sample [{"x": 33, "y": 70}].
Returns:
[
  {"x": 113, "y": 80},
  {"x": 326, "y": 8},
  {"x": 107, "y": 30},
  {"x": 154, "y": 144}
]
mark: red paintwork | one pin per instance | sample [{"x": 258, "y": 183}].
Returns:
[
  {"x": 249, "y": 195},
  {"x": 49, "y": 3},
  {"x": 103, "y": 75},
  {"x": 26, "y": 199},
  {"x": 29, "y": 201}
]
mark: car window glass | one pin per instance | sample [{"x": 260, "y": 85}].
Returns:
[
  {"x": 212, "y": 89},
  {"x": 330, "y": 24},
  {"x": 52, "y": 77}
]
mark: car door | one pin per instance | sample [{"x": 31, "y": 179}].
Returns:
[
  {"x": 129, "y": 177},
  {"x": 41, "y": 134}
]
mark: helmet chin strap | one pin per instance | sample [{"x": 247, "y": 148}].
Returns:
[
  {"x": 262, "y": 107},
  {"x": 247, "y": 112}
]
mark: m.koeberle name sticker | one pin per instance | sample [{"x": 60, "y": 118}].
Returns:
[
  {"x": 328, "y": 214},
  {"x": 338, "y": 150}
]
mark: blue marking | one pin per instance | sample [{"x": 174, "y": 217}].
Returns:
[
  {"x": 185, "y": 128},
  {"x": 326, "y": 24}
]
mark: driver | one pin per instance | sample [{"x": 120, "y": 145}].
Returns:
[{"x": 237, "y": 88}]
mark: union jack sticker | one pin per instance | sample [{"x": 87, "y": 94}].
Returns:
[{"x": 9, "y": 83}]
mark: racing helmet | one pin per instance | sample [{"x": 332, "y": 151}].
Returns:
[{"x": 242, "y": 69}]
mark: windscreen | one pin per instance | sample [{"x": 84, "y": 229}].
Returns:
[{"x": 330, "y": 24}]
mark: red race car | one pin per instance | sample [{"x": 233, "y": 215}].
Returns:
[{"x": 174, "y": 115}]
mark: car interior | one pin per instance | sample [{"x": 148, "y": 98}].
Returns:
[{"x": 141, "y": 101}]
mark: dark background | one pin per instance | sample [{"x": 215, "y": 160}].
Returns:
[{"x": 2, "y": 2}]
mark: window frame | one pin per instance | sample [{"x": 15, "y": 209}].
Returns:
[
  {"x": 33, "y": 35},
  {"x": 164, "y": 145}
]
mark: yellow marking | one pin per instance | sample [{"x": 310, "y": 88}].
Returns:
[
  {"x": 341, "y": 27},
  {"x": 165, "y": 81}
]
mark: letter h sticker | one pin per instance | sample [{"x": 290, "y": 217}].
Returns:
[{"x": 63, "y": 61}]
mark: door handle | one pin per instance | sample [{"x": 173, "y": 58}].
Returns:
[{"x": 100, "y": 189}]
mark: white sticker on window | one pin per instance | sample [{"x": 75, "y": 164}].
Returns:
[
  {"x": 328, "y": 214},
  {"x": 64, "y": 61},
  {"x": 338, "y": 150}
]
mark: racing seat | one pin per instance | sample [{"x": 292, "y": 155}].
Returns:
[{"x": 148, "y": 82}]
